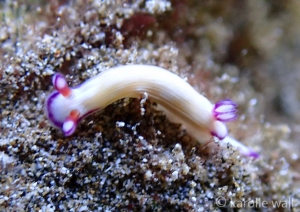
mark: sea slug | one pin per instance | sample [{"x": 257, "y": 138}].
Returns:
[{"x": 66, "y": 106}]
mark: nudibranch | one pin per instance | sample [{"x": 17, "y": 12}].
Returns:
[{"x": 66, "y": 106}]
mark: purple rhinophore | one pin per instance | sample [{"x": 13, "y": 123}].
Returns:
[
  {"x": 225, "y": 110},
  {"x": 58, "y": 80}
]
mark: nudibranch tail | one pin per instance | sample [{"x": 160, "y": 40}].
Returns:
[
  {"x": 244, "y": 150},
  {"x": 252, "y": 154},
  {"x": 225, "y": 110},
  {"x": 61, "y": 85}
]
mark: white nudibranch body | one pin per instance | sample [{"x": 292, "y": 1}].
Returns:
[{"x": 66, "y": 106}]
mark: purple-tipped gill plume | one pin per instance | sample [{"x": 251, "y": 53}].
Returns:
[{"x": 225, "y": 110}]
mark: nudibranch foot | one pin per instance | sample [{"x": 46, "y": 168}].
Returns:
[{"x": 225, "y": 110}]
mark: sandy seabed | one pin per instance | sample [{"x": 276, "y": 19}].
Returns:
[{"x": 121, "y": 159}]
